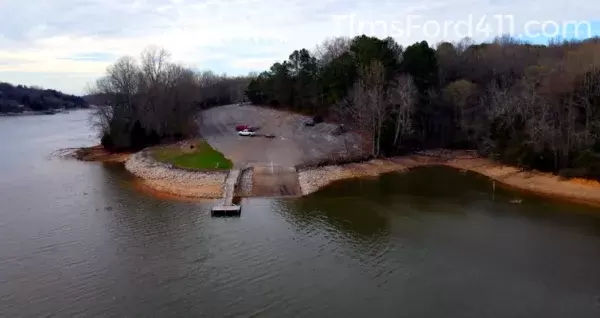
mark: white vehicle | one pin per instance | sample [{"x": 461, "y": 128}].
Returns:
[{"x": 246, "y": 133}]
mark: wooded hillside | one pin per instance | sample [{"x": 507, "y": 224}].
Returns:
[
  {"x": 537, "y": 106},
  {"x": 22, "y": 98}
]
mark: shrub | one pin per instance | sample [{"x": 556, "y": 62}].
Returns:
[{"x": 107, "y": 142}]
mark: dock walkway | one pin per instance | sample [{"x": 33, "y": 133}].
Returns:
[{"x": 227, "y": 207}]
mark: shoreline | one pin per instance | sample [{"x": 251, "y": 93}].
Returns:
[
  {"x": 172, "y": 181},
  {"x": 579, "y": 190},
  {"x": 165, "y": 180},
  {"x": 48, "y": 112},
  {"x": 94, "y": 154}
]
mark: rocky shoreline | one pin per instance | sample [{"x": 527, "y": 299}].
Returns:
[
  {"x": 176, "y": 181},
  {"x": 540, "y": 183},
  {"x": 313, "y": 179},
  {"x": 166, "y": 179}
]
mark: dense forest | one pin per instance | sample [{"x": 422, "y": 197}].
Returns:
[
  {"x": 17, "y": 99},
  {"x": 537, "y": 106},
  {"x": 149, "y": 100}
]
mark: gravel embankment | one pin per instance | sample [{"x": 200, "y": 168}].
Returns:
[
  {"x": 313, "y": 179},
  {"x": 171, "y": 180}
]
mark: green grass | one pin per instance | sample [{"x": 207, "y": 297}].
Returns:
[{"x": 201, "y": 157}]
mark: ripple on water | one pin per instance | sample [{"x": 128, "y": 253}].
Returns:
[{"x": 417, "y": 244}]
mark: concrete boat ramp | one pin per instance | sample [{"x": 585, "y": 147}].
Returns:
[
  {"x": 256, "y": 180},
  {"x": 227, "y": 208}
]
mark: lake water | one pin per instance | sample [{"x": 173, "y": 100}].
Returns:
[{"x": 77, "y": 239}]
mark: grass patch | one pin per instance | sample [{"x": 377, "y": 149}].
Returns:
[{"x": 197, "y": 155}]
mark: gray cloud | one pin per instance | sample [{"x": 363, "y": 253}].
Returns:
[
  {"x": 70, "y": 36},
  {"x": 91, "y": 56}
]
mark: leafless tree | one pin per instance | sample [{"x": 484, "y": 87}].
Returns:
[
  {"x": 155, "y": 62},
  {"x": 402, "y": 97},
  {"x": 331, "y": 49},
  {"x": 121, "y": 86},
  {"x": 366, "y": 104}
]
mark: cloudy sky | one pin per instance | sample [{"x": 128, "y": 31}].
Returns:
[{"x": 67, "y": 44}]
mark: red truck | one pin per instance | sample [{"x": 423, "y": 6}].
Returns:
[
  {"x": 241, "y": 127},
  {"x": 246, "y": 127}
]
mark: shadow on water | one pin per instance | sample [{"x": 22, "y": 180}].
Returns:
[
  {"x": 365, "y": 207},
  {"x": 440, "y": 234}
]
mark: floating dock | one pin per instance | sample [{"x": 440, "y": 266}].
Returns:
[{"x": 228, "y": 208}]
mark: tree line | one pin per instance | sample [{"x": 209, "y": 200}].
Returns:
[
  {"x": 537, "y": 106},
  {"x": 151, "y": 99},
  {"x": 20, "y": 98}
]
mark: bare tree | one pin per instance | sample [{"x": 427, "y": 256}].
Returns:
[
  {"x": 155, "y": 66},
  {"x": 146, "y": 102},
  {"x": 120, "y": 85},
  {"x": 155, "y": 62},
  {"x": 366, "y": 104},
  {"x": 591, "y": 93},
  {"x": 402, "y": 97},
  {"x": 331, "y": 49}
]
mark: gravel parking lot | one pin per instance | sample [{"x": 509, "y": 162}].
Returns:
[
  {"x": 274, "y": 160},
  {"x": 294, "y": 142}
]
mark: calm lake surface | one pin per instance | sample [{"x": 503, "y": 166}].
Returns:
[{"x": 76, "y": 239}]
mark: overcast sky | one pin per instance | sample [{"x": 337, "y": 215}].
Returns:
[{"x": 66, "y": 44}]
